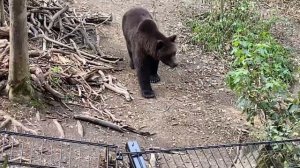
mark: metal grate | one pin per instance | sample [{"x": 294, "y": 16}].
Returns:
[
  {"x": 28, "y": 150},
  {"x": 247, "y": 155}
]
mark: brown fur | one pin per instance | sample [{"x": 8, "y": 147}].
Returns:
[{"x": 146, "y": 47}]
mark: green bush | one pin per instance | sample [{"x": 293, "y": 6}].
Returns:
[
  {"x": 216, "y": 29},
  {"x": 261, "y": 74}
]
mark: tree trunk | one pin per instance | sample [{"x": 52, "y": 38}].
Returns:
[
  {"x": 19, "y": 87},
  {"x": 2, "y": 13}
]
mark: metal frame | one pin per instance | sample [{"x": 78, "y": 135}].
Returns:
[
  {"x": 243, "y": 155},
  {"x": 60, "y": 152}
]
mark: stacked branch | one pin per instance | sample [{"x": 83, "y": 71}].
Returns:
[{"x": 65, "y": 58}]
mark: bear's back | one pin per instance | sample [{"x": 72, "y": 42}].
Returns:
[{"x": 134, "y": 17}]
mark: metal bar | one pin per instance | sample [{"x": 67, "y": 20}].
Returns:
[
  {"x": 136, "y": 161},
  {"x": 206, "y": 157},
  {"x": 190, "y": 159},
  {"x": 166, "y": 160},
  {"x": 198, "y": 158},
  {"x": 212, "y": 154},
  {"x": 26, "y": 164},
  {"x": 222, "y": 157},
  {"x": 182, "y": 160},
  {"x": 107, "y": 157},
  {"x": 213, "y": 147},
  {"x": 70, "y": 154},
  {"x": 58, "y": 139},
  {"x": 230, "y": 158}
]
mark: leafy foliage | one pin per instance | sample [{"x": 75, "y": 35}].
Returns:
[
  {"x": 55, "y": 79},
  {"x": 261, "y": 73},
  {"x": 216, "y": 29}
]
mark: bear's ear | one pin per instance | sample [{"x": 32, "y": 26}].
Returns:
[
  {"x": 159, "y": 45},
  {"x": 147, "y": 25},
  {"x": 172, "y": 38}
]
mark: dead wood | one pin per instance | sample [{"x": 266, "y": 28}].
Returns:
[
  {"x": 3, "y": 43},
  {"x": 38, "y": 72},
  {"x": 17, "y": 123},
  {"x": 110, "y": 125},
  {"x": 65, "y": 56},
  {"x": 80, "y": 129},
  {"x": 6, "y": 147},
  {"x": 4, "y": 53},
  {"x": 133, "y": 130},
  {"x": 100, "y": 122},
  {"x": 125, "y": 93},
  {"x": 4, "y": 32},
  {"x": 99, "y": 19},
  {"x": 37, "y": 116},
  {"x": 56, "y": 15},
  {"x": 2, "y": 84},
  {"x": 81, "y": 52},
  {"x": 86, "y": 39},
  {"x": 37, "y": 81},
  {"x": 19, "y": 159},
  {"x": 5, "y": 123},
  {"x": 59, "y": 128},
  {"x": 35, "y": 53}
]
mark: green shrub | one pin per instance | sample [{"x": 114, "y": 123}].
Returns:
[
  {"x": 216, "y": 29},
  {"x": 261, "y": 72}
]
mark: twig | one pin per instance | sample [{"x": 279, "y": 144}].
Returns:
[
  {"x": 4, "y": 53},
  {"x": 20, "y": 159},
  {"x": 56, "y": 15},
  {"x": 112, "y": 116},
  {"x": 72, "y": 48},
  {"x": 85, "y": 36},
  {"x": 67, "y": 35},
  {"x": 125, "y": 93},
  {"x": 39, "y": 74},
  {"x": 17, "y": 123},
  {"x": 4, "y": 148},
  {"x": 5, "y": 123}
]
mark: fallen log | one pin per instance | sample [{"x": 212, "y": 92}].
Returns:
[
  {"x": 110, "y": 125},
  {"x": 100, "y": 122}
]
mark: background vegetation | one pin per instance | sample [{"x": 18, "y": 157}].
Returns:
[{"x": 261, "y": 70}]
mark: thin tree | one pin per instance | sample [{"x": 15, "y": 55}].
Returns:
[
  {"x": 19, "y": 86},
  {"x": 2, "y": 13}
]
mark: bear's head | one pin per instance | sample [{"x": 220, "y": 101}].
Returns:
[
  {"x": 165, "y": 47},
  {"x": 166, "y": 51}
]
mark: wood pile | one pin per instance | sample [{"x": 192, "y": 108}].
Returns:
[{"x": 66, "y": 62}]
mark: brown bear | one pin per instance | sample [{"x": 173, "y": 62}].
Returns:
[{"x": 146, "y": 47}]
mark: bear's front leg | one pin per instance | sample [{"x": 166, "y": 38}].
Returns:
[
  {"x": 144, "y": 81},
  {"x": 153, "y": 65}
]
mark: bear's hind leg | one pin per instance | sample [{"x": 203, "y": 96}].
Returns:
[
  {"x": 154, "y": 78},
  {"x": 130, "y": 55}
]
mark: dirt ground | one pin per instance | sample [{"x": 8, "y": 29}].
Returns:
[{"x": 193, "y": 106}]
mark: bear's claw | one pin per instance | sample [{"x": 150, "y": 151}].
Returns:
[
  {"x": 132, "y": 65},
  {"x": 154, "y": 78},
  {"x": 148, "y": 94}
]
